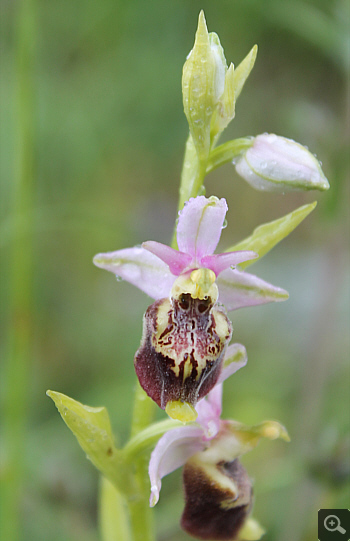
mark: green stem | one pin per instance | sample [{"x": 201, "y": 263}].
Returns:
[
  {"x": 194, "y": 171},
  {"x": 113, "y": 520},
  {"x": 192, "y": 177},
  {"x": 227, "y": 152},
  {"x": 125, "y": 514},
  {"x": 141, "y": 516},
  {"x": 144, "y": 410},
  {"x": 20, "y": 289},
  {"x": 148, "y": 437}
]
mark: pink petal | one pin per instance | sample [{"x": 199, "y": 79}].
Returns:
[
  {"x": 171, "y": 452},
  {"x": 199, "y": 226},
  {"x": 139, "y": 267},
  {"x": 215, "y": 400},
  {"x": 209, "y": 412},
  {"x": 235, "y": 358},
  {"x": 176, "y": 261},
  {"x": 220, "y": 262},
  {"x": 238, "y": 289}
]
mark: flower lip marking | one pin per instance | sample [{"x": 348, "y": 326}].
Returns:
[{"x": 183, "y": 344}]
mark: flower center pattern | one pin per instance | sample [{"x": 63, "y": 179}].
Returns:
[
  {"x": 186, "y": 339},
  {"x": 192, "y": 334}
]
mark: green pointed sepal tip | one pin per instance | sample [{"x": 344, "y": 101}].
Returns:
[
  {"x": 71, "y": 410},
  {"x": 202, "y": 34},
  {"x": 266, "y": 236},
  {"x": 251, "y": 435},
  {"x": 234, "y": 82},
  {"x": 241, "y": 73},
  {"x": 199, "y": 78}
]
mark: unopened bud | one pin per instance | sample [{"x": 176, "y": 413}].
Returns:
[
  {"x": 203, "y": 80},
  {"x": 277, "y": 164}
]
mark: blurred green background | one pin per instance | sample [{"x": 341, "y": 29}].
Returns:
[{"x": 92, "y": 140}]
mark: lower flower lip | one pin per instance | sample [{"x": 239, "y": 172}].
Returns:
[
  {"x": 218, "y": 499},
  {"x": 181, "y": 354}
]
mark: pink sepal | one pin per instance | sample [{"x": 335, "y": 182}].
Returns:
[
  {"x": 239, "y": 289},
  {"x": 139, "y": 267}
]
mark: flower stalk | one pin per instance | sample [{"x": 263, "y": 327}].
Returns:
[
  {"x": 113, "y": 516},
  {"x": 141, "y": 517}
]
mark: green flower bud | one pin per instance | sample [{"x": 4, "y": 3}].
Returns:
[
  {"x": 210, "y": 89},
  {"x": 234, "y": 81},
  {"x": 203, "y": 80}
]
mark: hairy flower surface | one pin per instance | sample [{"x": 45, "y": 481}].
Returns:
[{"x": 218, "y": 491}]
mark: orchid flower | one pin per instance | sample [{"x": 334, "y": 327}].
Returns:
[
  {"x": 186, "y": 331},
  {"x": 209, "y": 450},
  {"x": 154, "y": 267}
]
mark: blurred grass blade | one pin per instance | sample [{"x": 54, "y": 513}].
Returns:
[
  {"x": 19, "y": 289},
  {"x": 314, "y": 24},
  {"x": 113, "y": 518},
  {"x": 92, "y": 428},
  {"x": 266, "y": 236}
]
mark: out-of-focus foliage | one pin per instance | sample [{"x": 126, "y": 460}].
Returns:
[{"x": 109, "y": 133}]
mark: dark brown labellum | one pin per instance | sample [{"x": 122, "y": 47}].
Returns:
[
  {"x": 218, "y": 499},
  {"x": 182, "y": 349}
]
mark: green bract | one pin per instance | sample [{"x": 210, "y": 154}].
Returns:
[
  {"x": 266, "y": 236},
  {"x": 234, "y": 81},
  {"x": 92, "y": 428}
]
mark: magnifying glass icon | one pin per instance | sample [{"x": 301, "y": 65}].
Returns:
[{"x": 332, "y": 524}]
